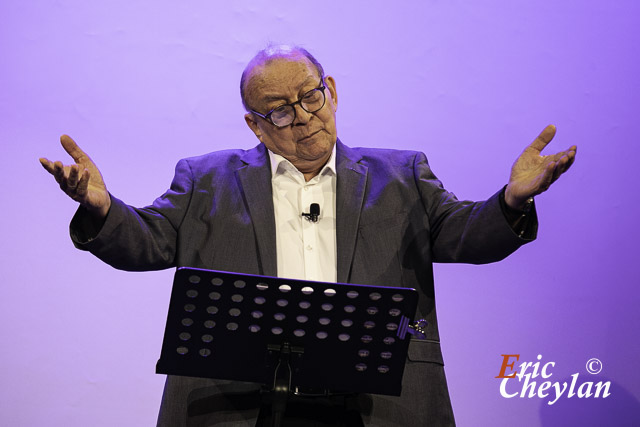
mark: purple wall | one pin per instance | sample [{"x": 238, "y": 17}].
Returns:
[{"x": 141, "y": 84}]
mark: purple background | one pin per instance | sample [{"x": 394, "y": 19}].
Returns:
[{"x": 142, "y": 84}]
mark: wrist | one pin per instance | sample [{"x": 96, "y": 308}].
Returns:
[
  {"x": 517, "y": 203},
  {"x": 99, "y": 212}
]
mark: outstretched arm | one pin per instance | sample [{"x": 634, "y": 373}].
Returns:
[
  {"x": 122, "y": 236},
  {"x": 533, "y": 173}
]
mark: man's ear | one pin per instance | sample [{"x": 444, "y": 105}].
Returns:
[
  {"x": 330, "y": 83},
  {"x": 253, "y": 125}
]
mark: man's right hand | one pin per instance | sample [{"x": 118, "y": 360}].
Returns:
[{"x": 81, "y": 181}]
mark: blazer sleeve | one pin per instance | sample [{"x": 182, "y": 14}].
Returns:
[
  {"x": 138, "y": 239},
  {"x": 465, "y": 231}
]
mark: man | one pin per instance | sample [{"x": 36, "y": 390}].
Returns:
[{"x": 384, "y": 219}]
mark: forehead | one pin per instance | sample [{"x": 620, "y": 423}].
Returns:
[{"x": 281, "y": 78}]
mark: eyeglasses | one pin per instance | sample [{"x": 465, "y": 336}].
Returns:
[{"x": 284, "y": 115}]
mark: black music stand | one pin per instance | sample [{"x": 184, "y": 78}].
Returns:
[{"x": 289, "y": 334}]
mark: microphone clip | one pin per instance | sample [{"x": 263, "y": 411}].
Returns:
[{"x": 314, "y": 213}]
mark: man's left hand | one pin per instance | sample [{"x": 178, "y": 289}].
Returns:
[{"x": 532, "y": 173}]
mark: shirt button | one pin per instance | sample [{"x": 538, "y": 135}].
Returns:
[
  {"x": 306, "y": 188},
  {"x": 309, "y": 247}
]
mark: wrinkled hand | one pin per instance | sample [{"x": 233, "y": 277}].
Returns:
[
  {"x": 81, "y": 181},
  {"x": 532, "y": 173}
]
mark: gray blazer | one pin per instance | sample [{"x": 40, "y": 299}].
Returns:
[{"x": 394, "y": 218}]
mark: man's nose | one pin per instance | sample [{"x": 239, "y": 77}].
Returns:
[{"x": 302, "y": 116}]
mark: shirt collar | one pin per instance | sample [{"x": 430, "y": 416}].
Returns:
[{"x": 279, "y": 165}]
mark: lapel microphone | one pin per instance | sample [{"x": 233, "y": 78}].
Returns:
[{"x": 314, "y": 212}]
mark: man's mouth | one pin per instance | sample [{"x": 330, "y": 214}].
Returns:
[{"x": 308, "y": 137}]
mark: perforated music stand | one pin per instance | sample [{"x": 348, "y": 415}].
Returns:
[{"x": 324, "y": 336}]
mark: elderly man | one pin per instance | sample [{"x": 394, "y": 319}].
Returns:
[{"x": 384, "y": 219}]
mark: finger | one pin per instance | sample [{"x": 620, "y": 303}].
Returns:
[
  {"x": 566, "y": 162},
  {"x": 557, "y": 156},
  {"x": 83, "y": 184},
  {"x": 572, "y": 158},
  {"x": 544, "y": 138},
  {"x": 568, "y": 155},
  {"x": 47, "y": 165},
  {"x": 548, "y": 176},
  {"x": 72, "y": 148},
  {"x": 559, "y": 169},
  {"x": 58, "y": 172},
  {"x": 74, "y": 176},
  {"x": 572, "y": 154}
]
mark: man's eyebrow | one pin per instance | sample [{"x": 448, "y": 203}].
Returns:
[{"x": 272, "y": 98}]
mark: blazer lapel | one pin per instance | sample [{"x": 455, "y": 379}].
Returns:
[
  {"x": 255, "y": 183},
  {"x": 351, "y": 185}
]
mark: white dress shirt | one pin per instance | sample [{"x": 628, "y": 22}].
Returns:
[{"x": 305, "y": 250}]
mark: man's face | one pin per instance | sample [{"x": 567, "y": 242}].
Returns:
[{"x": 307, "y": 143}]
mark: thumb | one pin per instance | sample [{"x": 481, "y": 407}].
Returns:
[
  {"x": 73, "y": 149},
  {"x": 544, "y": 138}
]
